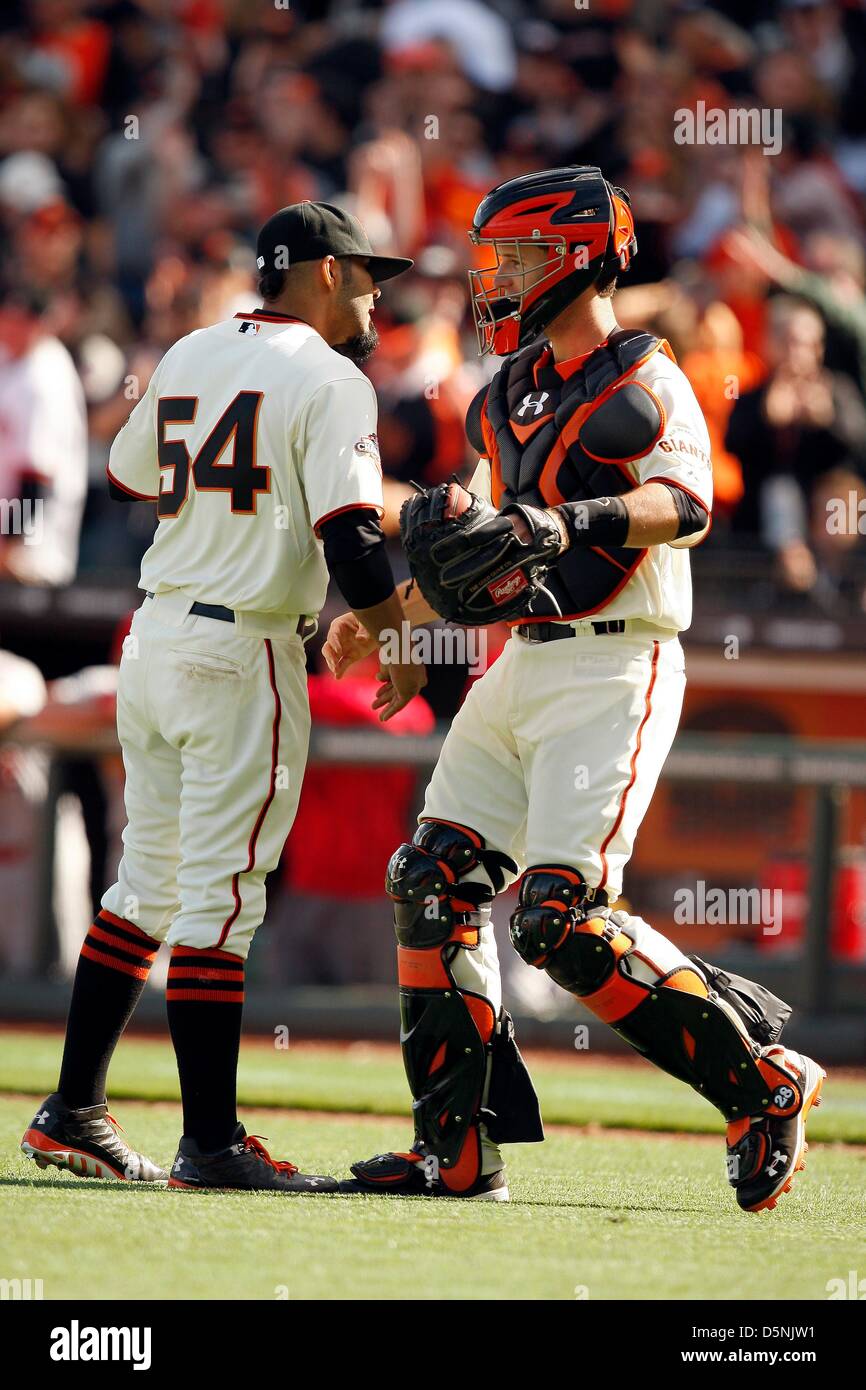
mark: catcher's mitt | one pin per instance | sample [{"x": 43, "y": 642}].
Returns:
[{"x": 467, "y": 559}]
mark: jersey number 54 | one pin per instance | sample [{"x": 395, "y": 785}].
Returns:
[{"x": 234, "y": 433}]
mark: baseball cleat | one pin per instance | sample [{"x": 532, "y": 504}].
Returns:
[
  {"x": 85, "y": 1142},
  {"x": 244, "y": 1166},
  {"x": 413, "y": 1175},
  {"x": 766, "y": 1151}
]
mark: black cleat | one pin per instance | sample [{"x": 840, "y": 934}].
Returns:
[
  {"x": 86, "y": 1143},
  {"x": 244, "y": 1166},
  {"x": 766, "y": 1151},
  {"x": 415, "y": 1174}
]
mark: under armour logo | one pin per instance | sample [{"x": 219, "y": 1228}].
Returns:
[
  {"x": 534, "y": 401},
  {"x": 43, "y": 1117},
  {"x": 773, "y": 1165},
  {"x": 733, "y": 1167},
  {"x": 178, "y": 1163},
  {"x": 431, "y": 1169},
  {"x": 399, "y": 866}
]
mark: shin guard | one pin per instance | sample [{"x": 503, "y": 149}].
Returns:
[
  {"x": 658, "y": 1000},
  {"x": 442, "y": 885}
]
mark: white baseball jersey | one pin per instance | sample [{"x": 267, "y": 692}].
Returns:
[
  {"x": 660, "y": 590},
  {"x": 250, "y": 435},
  {"x": 43, "y": 438}
]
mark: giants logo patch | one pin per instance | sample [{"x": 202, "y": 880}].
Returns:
[
  {"x": 369, "y": 444},
  {"x": 506, "y": 587}
]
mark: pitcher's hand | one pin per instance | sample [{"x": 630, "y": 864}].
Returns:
[{"x": 348, "y": 641}]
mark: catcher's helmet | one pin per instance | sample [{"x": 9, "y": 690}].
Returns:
[{"x": 585, "y": 223}]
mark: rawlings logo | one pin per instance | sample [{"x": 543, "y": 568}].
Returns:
[{"x": 506, "y": 587}]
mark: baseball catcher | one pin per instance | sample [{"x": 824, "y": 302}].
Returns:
[{"x": 594, "y": 479}]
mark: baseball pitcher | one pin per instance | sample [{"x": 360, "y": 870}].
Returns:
[
  {"x": 256, "y": 439},
  {"x": 594, "y": 480}
]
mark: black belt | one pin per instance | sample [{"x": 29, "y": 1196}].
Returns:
[
  {"x": 207, "y": 610},
  {"x": 213, "y": 610},
  {"x": 556, "y": 632},
  {"x": 225, "y": 615}
]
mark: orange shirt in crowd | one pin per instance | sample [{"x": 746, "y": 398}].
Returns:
[{"x": 718, "y": 377}]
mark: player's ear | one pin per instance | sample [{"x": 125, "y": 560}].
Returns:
[{"x": 330, "y": 272}]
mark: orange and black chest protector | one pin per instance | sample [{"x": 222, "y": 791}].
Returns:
[{"x": 554, "y": 438}]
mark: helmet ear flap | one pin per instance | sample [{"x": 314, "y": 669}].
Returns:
[
  {"x": 623, "y": 225},
  {"x": 623, "y": 239}
]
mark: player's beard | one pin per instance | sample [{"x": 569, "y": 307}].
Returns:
[{"x": 360, "y": 347}]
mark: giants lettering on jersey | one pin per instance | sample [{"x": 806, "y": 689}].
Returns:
[{"x": 692, "y": 458}]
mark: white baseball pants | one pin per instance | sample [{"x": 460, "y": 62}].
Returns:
[{"x": 213, "y": 719}]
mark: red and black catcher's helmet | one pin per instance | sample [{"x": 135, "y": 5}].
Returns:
[{"x": 585, "y": 225}]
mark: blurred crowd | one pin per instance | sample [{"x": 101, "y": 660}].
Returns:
[{"x": 142, "y": 142}]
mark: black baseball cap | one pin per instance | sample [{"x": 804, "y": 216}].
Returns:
[{"x": 309, "y": 231}]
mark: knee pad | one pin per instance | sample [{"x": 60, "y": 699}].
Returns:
[
  {"x": 568, "y": 930},
  {"x": 550, "y": 929},
  {"x": 426, "y": 880}
]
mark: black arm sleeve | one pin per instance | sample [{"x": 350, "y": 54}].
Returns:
[
  {"x": 117, "y": 494},
  {"x": 693, "y": 514},
  {"x": 599, "y": 521},
  {"x": 356, "y": 557}
]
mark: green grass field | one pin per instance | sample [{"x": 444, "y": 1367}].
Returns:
[{"x": 596, "y": 1211}]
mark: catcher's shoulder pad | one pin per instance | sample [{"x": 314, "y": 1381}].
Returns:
[
  {"x": 473, "y": 421},
  {"x": 626, "y": 425}
]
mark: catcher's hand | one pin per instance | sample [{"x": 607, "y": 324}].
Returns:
[{"x": 467, "y": 558}]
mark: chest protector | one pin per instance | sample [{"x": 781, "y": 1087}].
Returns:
[{"x": 551, "y": 440}]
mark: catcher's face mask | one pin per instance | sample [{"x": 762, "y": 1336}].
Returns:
[
  {"x": 584, "y": 229},
  {"x": 503, "y": 290}
]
